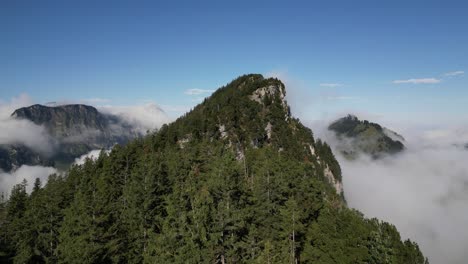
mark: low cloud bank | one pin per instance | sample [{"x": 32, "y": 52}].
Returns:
[
  {"x": 26, "y": 133},
  {"x": 25, "y": 172},
  {"x": 13, "y": 131},
  {"x": 93, "y": 155},
  {"x": 142, "y": 118},
  {"x": 423, "y": 191}
]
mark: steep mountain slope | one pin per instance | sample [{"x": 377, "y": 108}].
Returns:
[
  {"x": 358, "y": 136},
  {"x": 14, "y": 155},
  {"x": 236, "y": 180},
  {"x": 74, "y": 130}
]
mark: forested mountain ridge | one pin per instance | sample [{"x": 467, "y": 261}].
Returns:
[
  {"x": 361, "y": 136},
  {"x": 235, "y": 180},
  {"x": 251, "y": 112},
  {"x": 72, "y": 130}
]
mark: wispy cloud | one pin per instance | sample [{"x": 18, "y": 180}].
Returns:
[
  {"x": 418, "y": 81},
  {"x": 93, "y": 155},
  {"x": 25, "y": 172},
  {"x": 331, "y": 85},
  {"x": 454, "y": 73},
  {"x": 197, "y": 91},
  {"x": 20, "y": 131},
  {"x": 146, "y": 117},
  {"x": 414, "y": 188}
]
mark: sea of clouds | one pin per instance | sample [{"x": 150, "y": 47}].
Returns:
[{"x": 423, "y": 191}]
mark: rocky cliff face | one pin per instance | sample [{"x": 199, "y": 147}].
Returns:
[
  {"x": 356, "y": 136},
  {"x": 74, "y": 130},
  {"x": 78, "y": 123},
  {"x": 63, "y": 121}
]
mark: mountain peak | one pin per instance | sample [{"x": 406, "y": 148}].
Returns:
[
  {"x": 351, "y": 117},
  {"x": 274, "y": 89},
  {"x": 251, "y": 113},
  {"x": 357, "y": 136},
  {"x": 249, "y": 110},
  {"x": 257, "y": 88}
]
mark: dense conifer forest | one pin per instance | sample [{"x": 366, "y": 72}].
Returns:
[{"x": 235, "y": 180}]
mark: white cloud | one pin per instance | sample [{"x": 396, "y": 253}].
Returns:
[
  {"x": 93, "y": 155},
  {"x": 7, "y": 108},
  {"x": 428, "y": 80},
  {"x": 331, "y": 85},
  {"x": 25, "y": 132},
  {"x": 30, "y": 173},
  {"x": 309, "y": 103},
  {"x": 14, "y": 131},
  {"x": 298, "y": 94},
  {"x": 142, "y": 117},
  {"x": 454, "y": 73},
  {"x": 197, "y": 91},
  {"x": 418, "y": 81},
  {"x": 422, "y": 191}
]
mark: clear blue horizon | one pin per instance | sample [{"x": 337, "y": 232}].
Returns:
[{"x": 395, "y": 57}]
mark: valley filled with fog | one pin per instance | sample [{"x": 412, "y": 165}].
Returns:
[{"x": 423, "y": 190}]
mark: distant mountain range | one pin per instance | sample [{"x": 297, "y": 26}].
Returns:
[
  {"x": 74, "y": 130},
  {"x": 361, "y": 136}
]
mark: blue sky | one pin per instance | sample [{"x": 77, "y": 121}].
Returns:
[{"x": 129, "y": 52}]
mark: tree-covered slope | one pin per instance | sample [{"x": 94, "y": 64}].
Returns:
[
  {"x": 235, "y": 180},
  {"x": 361, "y": 136}
]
